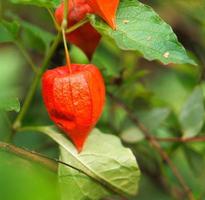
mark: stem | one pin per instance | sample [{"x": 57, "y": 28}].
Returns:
[
  {"x": 77, "y": 25},
  {"x": 63, "y": 28},
  {"x": 66, "y": 51},
  {"x": 29, "y": 155},
  {"x": 182, "y": 140},
  {"x": 154, "y": 143},
  {"x": 65, "y": 11},
  {"x": 53, "y": 19},
  {"x": 26, "y": 56},
  {"x": 51, "y": 163},
  {"x": 34, "y": 85}
]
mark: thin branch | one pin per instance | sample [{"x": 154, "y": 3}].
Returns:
[
  {"x": 34, "y": 85},
  {"x": 50, "y": 163},
  {"x": 54, "y": 20},
  {"x": 26, "y": 56},
  {"x": 182, "y": 140},
  {"x": 29, "y": 155},
  {"x": 68, "y": 62},
  {"x": 154, "y": 143},
  {"x": 77, "y": 25}
]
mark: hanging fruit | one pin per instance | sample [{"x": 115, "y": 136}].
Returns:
[{"x": 74, "y": 101}]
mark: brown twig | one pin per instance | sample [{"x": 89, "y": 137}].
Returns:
[
  {"x": 155, "y": 144},
  {"x": 182, "y": 140}
]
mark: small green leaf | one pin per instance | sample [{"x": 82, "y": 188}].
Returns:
[
  {"x": 140, "y": 28},
  {"x": 8, "y": 31},
  {"x": 40, "y": 3},
  {"x": 152, "y": 119},
  {"x": 9, "y": 104},
  {"x": 132, "y": 135},
  {"x": 192, "y": 114},
  {"x": 105, "y": 162}
]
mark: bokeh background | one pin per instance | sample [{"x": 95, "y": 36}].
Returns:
[{"x": 156, "y": 94}]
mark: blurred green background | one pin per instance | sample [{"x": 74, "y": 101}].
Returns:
[{"x": 169, "y": 100}]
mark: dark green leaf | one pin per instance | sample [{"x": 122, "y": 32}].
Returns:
[
  {"x": 9, "y": 104},
  {"x": 32, "y": 35},
  {"x": 8, "y": 31},
  {"x": 140, "y": 28}
]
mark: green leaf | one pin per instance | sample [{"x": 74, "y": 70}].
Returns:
[
  {"x": 32, "y": 35},
  {"x": 103, "y": 159},
  {"x": 36, "y": 32},
  {"x": 8, "y": 31},
  {"x": 152, "y": 119},
  {"x": 140, "y": 28},
  {"x": 192, "y": 114},
  {"x": 40, "y": 3},
  {"x": 75, "y": 185},
  {"x": 9, "y": 104}
]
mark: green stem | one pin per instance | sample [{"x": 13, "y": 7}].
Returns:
[
  {"x": 77, "y": 25},
  {"x": 51, "y": 164},
  {"x": 26, "y": 56},
  {"x": 65, "y": 14},
  {"x": 34, "y": 85},
  {"x": 54, "y": 20}
]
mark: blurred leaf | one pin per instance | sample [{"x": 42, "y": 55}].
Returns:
[
  {"x": 138, "y": 29},
  {"x": 77, "y": 55},
  {"x": 8, "y": 31},
  {"x": 149, "y": 190},
  {"x": 39, "y": 33},
  {"x": 103, "y": 158},
  {"x": 169, "y": 87},
  {"x": 132, "y": 135},
  {"x": 195, "y": 159},
  {"x": 9, "y": 104},
  {"x": 41, "y": 3},
  {"x": 194, "y": 182},
  {"x": 34, "y": 33},
  {"x": 192, "y": 114},
  {"x": 154, "y": 118},
  {"x": 104, "y": 58},
  {"x": 23, "y": 179}
]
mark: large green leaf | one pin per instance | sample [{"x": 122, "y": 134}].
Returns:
[
  {"x": 192, "y": 114},
  {"x": 140, "y": 28},
  {"x": 105, "y": 162},
  {"x": 76, "y": 185},
  {"x": 41, "y": 3},
  {"x": 9, "y": 104},
  {"x": 8, "y": 31}
]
